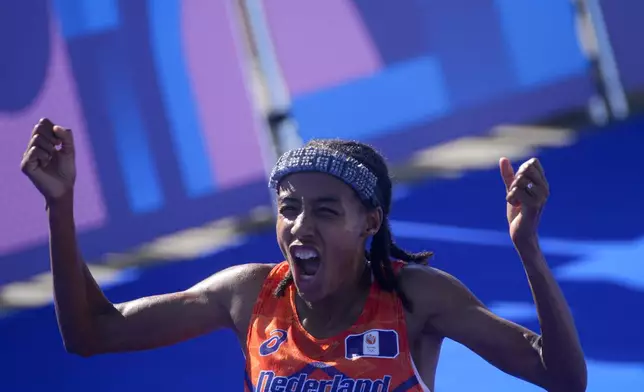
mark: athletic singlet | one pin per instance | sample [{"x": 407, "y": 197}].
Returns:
[{"x": 371, "y": 356}]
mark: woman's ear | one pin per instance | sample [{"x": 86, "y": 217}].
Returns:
[{"x": 374, "y": 221}]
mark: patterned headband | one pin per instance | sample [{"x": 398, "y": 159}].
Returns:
[{"x": 337, "y": 164}]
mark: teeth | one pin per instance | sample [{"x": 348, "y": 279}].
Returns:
[{"x": 305, "y": 254}]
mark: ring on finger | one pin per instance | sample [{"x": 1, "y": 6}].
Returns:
[{"x": 529, "y": 187}]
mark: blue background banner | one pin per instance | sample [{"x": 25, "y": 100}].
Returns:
[
  {"x": 171, "y": 135},
  {"x": 171, "y": 132}
]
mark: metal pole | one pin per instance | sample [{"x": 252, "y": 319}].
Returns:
[
  {"x": 278, "y": 101},
  {"x": 270, "y": 90},
  {"x": 594, "y": 39}
]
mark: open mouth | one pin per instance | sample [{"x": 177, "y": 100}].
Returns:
[{"x": 307, "y": 260}]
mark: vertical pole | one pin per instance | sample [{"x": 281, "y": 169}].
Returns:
[
  {"x": 611, "y": 102},
  {"x": 270, "y": 91}
]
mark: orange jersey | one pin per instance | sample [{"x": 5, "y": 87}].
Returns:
[{"x": 371, "y": 356}]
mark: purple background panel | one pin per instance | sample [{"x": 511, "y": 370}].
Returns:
[
  {"x": 24, "y": 223},
  {"x": 216, "y": 67},
  {"x": 320, "y": 44},
  {"x": 624, "y": 23}
]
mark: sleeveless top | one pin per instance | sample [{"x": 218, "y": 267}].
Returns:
[{"x": 372, "y": 355}]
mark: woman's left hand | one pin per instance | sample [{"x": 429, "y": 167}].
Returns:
[{"x": 527, "y": 192}]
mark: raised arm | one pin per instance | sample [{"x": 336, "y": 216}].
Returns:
[
  {"x": 554, "y": 359},
  {"x": 89, "y": 323}
]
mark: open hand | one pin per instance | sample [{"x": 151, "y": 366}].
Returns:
[
  {"x": 526, "y": 193},
  {"x": 49, "y": 160}
]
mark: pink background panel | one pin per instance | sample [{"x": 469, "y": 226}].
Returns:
[{"x": 24, "y": 221}]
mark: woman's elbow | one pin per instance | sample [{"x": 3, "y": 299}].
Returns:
[
  {"x": 81, "y": 349},
  {"x": 572, "y": 381},
  {"x": 571, "y": 385},
  {"x": 580, "y": 382},
  {"x": 579, "y": 377}
]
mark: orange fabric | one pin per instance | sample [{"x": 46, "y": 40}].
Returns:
[{"x": 372, "y": 355}]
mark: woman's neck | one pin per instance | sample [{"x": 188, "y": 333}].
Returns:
[{"x": 333, "y": 314}]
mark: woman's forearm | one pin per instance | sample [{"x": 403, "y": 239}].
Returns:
[
  {"x": 561, "y": 350},
  {"x": 77, "y": 297}
]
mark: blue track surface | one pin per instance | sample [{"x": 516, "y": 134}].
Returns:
[{"x": 591, "y": 232}]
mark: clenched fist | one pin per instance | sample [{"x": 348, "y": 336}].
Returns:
[
  {"x": 527, "y": 191},
  {"x": 49, "y": 160}
]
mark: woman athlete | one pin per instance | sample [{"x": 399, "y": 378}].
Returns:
[{"x": 333, "y": 316}]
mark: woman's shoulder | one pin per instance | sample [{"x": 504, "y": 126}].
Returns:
[
  {"x": 241, "y": 280},
  {"x": 237, "y": 288},
  {"x": 429, "y": 286},
  {"x": 412, "y": 274}
]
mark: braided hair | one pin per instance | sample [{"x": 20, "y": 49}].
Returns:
[{"x": 383, "y": 248}]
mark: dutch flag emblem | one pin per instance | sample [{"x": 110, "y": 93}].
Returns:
[{"x": 375, "y": 343}]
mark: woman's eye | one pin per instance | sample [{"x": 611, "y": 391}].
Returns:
[
  {"x": 328, "y": 211},
  {"x": 286, "y": 209}
]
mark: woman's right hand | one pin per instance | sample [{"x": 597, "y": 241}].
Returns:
[{"x": 49, "y": 160}]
